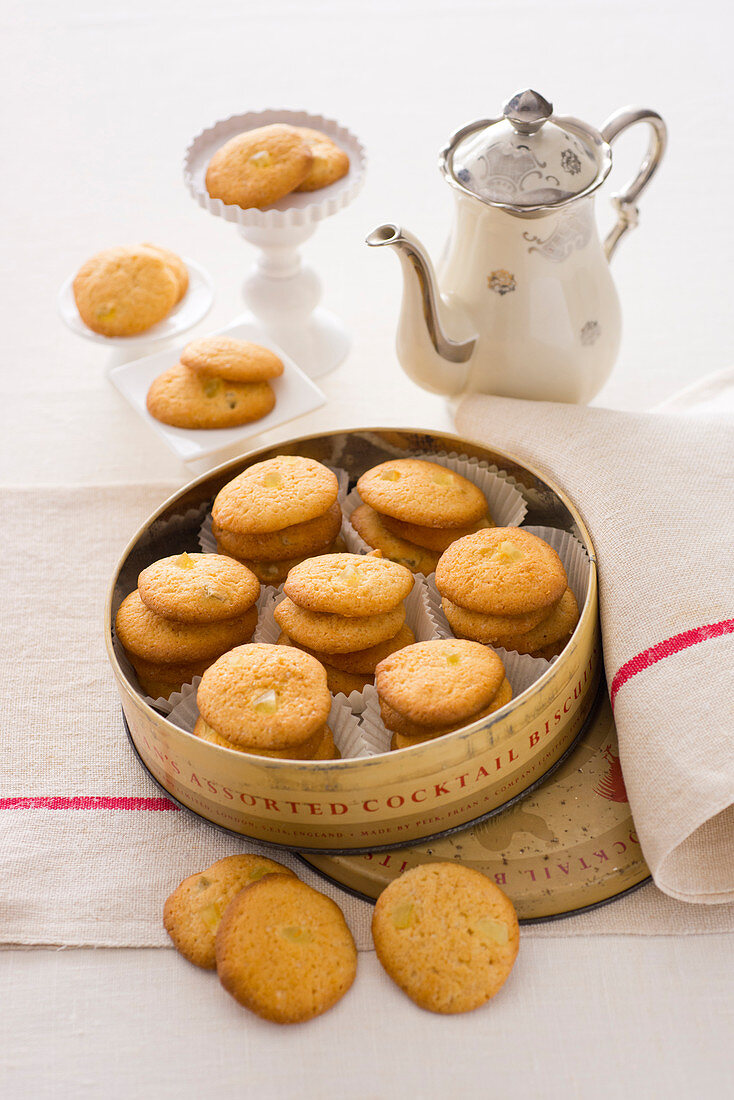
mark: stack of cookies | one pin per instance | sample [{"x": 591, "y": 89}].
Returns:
[
  {"x": 258, "y": 167},
  {"x": 432, "y": 688},
  {"x": 413, "y": 510},
  {"x": 267, "y": 700},
  {"x": 276, "y": 513},
  {"x": 219, "y": 382},
  {"x": 126, "y": 290},
  {"x": 347, "y": 611},
  {"x": 186, "y": 611},
  {"x": 507, "y": 587}
]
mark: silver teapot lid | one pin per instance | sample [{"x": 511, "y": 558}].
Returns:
[{"x": 528, "y": 161}]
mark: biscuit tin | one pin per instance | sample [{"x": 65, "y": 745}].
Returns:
[{"x": 396, "y": 799}]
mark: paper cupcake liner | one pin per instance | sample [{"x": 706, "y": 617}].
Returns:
[
  {"x": 208, "y": 543},
  {"x": 343, "y": 724},
  {"x": 297, "y": 209},
  {"x": 506, "y": 503},
  {"x": 578, "y": 571},
  {"x": 419, "y": 616}
]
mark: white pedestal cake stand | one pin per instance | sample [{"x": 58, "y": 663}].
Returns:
[{"x": 281, "y": 291}]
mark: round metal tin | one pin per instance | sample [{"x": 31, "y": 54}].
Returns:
[{"x": 398, "y": 798}]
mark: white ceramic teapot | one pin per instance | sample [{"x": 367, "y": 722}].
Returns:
[{"x": 524, "y": 304}]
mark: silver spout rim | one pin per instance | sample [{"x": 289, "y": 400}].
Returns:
[{"x": 384, "y": 234}]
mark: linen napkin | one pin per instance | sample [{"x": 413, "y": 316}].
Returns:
[{"x": 656, "y": 492}]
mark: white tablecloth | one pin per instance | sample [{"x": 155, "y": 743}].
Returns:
[{"x": 101, "y": 101}]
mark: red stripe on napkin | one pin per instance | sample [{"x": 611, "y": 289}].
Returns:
[
  {"x": 87, "y": 802},
  {"x": 666, "y": 649}
]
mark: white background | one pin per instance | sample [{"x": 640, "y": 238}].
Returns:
[{"x": 100, "y": 101}]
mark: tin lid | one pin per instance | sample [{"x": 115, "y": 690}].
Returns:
[{"x": 529, "y": 160}]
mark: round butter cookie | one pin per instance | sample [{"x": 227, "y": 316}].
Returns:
[
  {"x": 501, "y": 571},
  {"x": 124, "y": 291},
  {"x": 446, "y": 935},
  {"x": 436, "y": 539},
  {"x": 488, "y": 628},
  {"x": 274, "y": 494},
  {"x": 329, "y": 164},
  {"x": 259, "y": 167},
  {"x": 176, "y": 264},
  {"x": 421, "y": 492},
  {"x": 305, "y": 751},
  {"x": 265, "y": 696},
  {"x": 198, "y": 588},
  {"x": 370, "y": 526},
  {"x": 440, "y": 682},
  {"x": 147, "y": 635},
  {"x": 234, "y": 360},
  {"x": 559, "y": 626},
  {"x": 284, "y": 950},
  {"x": 184, "y": 399},
  {"x": 192, "y": 913},
  {"x": 408, "y": 733},
  {"x": 361, "y": 661},
  {"x": 291, "y": 542},
  {"x": 184, "y": 671},
  {"x": 327, "y": 633},
  {"x": 353, "y": 585}
]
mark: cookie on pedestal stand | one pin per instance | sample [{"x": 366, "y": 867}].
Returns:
[{"x": 280, "y": 290}]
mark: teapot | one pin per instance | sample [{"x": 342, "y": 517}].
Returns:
[{"x": 524, "y": 304}]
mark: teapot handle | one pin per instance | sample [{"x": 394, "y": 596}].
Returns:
[{"x": 624, "y": 201}]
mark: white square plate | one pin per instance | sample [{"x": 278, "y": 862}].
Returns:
[{"x": 295, "y": 394}]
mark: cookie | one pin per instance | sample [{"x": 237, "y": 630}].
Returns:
[
  {"x": 259, "y": 167},
  {"x": 354, "y": 585},
  {"x": 184, "y": 671},
  {"x": 147, "y": 635},
  {"x": 488, "y": 628},
  {"x": 124, "y": 291},
  {"x": 184, "y": 399},
  {"x": 558, "y": 627},
  {"x": 329, "y": 164},
  {"x": 274, "y": 494},
  {"x": 440, "y": 682},
  {"x": 284, "y": 950},
  {"x": 416, "y": 491},
  {"x": 446, "y": 935},
  {"x": 307, "y": 751},
  {"x": 155, "y": 688},
  {"x": 370, "y": 526},
  {"x": 234, "y": 360},
  {"x": 296, "y": 541},
  {"x": 273, "y": 573},
  {"x": 193, "y": 911},
  {"x": 501, "y": 571},
  {"x": 265, "y": 696},
  {"x": 362, "y": 661},
  {"x": 176, "y": 264},
  {"x": 436, "y": 539},
  {"x": 339, "y": 681},
  {"x": 198, "y": 588},
  {"x": 407, "y": 733},
  {"x": 335, "y": 633}
]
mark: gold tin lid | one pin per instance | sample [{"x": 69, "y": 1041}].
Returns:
[{"x": 569, "y": 845}]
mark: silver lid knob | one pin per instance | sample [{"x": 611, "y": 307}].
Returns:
[{"x": 527, "y": 111}]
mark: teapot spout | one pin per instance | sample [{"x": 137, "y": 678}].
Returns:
[{"x": 435, "y": 340}]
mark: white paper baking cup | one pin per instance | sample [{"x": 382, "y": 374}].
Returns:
[
  {"x": 507, "y": 505},
  {"x": 208, "y": 543},
  {"x": 578, "y": 570},
  {"x": 296, "y": 209},
  {"x": 343, "y": 724},
  {"x": 419, "y": 616}
]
